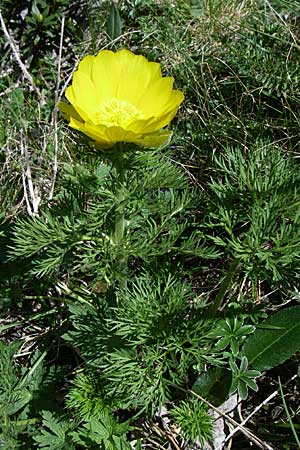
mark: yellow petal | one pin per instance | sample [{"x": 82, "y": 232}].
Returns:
[
  {"x": 123, "y": 75},
  {"x": 136, "y": 76},
  {"x": 68, "y": 111},
  {"x": 169, "y": 113},
  {"x": 105, "y": 75},
  {"x": 96, "y": 133},
  {"x": 154, "y": 140},
  {"x": 86, "y": 65},
  {"x": 106, "y": 137},
  {"x": 118, "y": 134},
  {"x": 121, "y": 97},
  {"x": 82, "y": 95},
  {"x": 103, "y": 135},
  {"x": 155, "y": 99},
  {"x": 142, "y": 126},
  {"x": 156, "y": 123}
]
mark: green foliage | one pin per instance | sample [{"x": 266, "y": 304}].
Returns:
[
  {"x": 77, "y": 233},
  {"x": 194, "y": 421},
  {"x": 106, "y": 432},
  {"x": 57, "y": 236},
  {"x": 22, "y": 394},
  {"x": 289, "y": 416},
  {"x": 217, "y": 382},
  {"x": 86, "y": 396},
  {"x": 10, "y": 114},
  {"x": 255, "y": 214},
  {"x": 242, "y": 378},
  {"x": 196, "y": 9},
  {"x": 36, "y": 25},
  {"x": 214, "y": 385},
  {"x": 232, "y": 333},
  {"x": 59, "y": 436},
  {"x": 114, "y": 24},
  {"x": 156, "y": 313},
  {"x": 17, "y": 390},
  {"x": 147, "y": 343},
  {"x": 276, "y": 339},
  {"x": 63, "y": 433}
]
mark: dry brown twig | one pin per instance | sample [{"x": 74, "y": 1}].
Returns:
[
  {"x": 17, "y": 56},
  {"x": 54, "y": 114},
  {"x": 33, "y": 199},
  {"x": 261, "y": 444},
  {"x": 264, "y": 402},
  {"x": 166, "y": 435},
  {"x": 31, "y": 195}
]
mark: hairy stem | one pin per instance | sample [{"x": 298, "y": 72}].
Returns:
[{"x": 119, "y": 189}]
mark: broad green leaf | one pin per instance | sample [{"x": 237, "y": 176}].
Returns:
[
  {"x": 214, "y": 385},
  {"x": 16, "y": 100},
  {"x": 276, "y": 341},
  {"x": 17, "y": 401},
  {"x": 243, "y": 390},
  {"x": 114, "y": 26},
  {"x": 195, "y": 7},
  {"x": 9, "y": 325}
]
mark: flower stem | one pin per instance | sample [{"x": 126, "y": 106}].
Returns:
[
  {"x": 119, "y": 190},
  {"x": 223, "y": 289}
]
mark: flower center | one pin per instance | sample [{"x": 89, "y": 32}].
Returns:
[{"x": 117, "y": 113}]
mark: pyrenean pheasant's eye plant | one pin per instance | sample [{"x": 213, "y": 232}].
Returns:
[
  {"x": 139, "y": 278},
  {"x": 121, "y": 97}
]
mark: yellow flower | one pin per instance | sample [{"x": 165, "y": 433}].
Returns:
[{"x": 121, "y": 97}]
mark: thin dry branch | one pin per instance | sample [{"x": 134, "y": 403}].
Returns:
[
  {"x": 264, "y": 402},
  {"x": 16, "y": 54},
  {"x": 32, "y": 208},
  {"x": 261, "y": 444},
  {"x": 166, "y": 435},
  {"x": 54, "y": 115}
]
